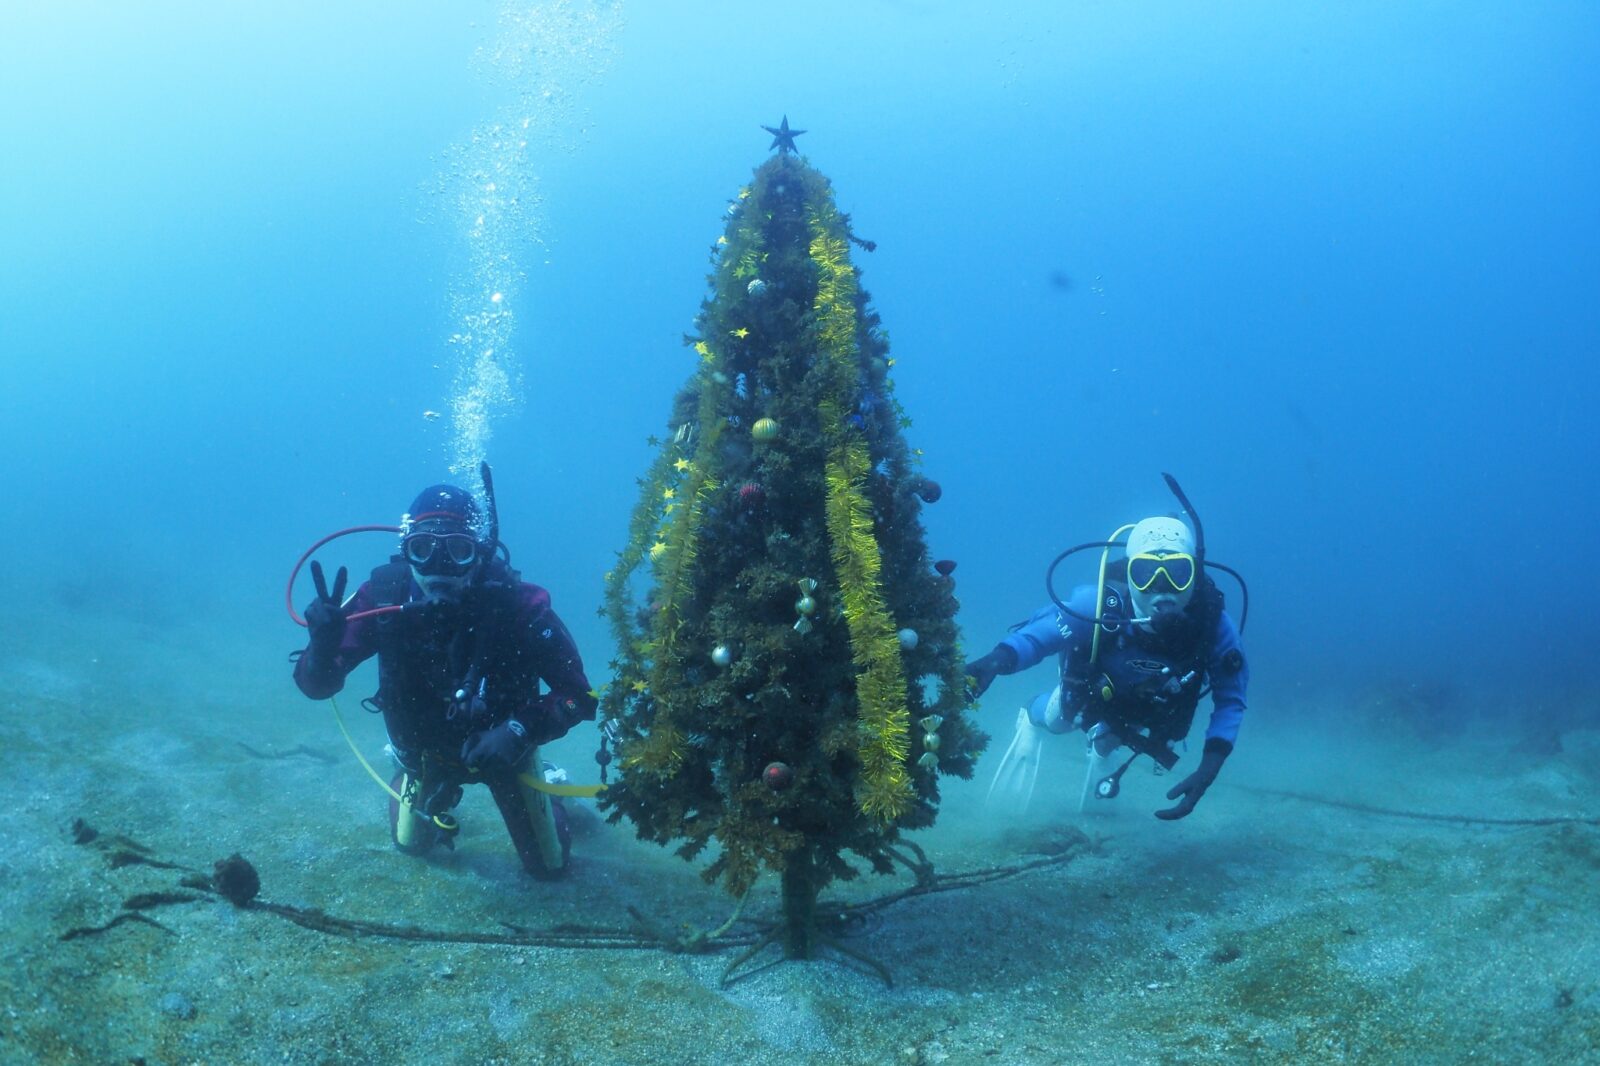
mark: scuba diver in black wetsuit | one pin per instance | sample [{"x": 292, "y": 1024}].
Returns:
[
  {"x": 463, "y": 644},
  {"x": 1137, "y": 652}
]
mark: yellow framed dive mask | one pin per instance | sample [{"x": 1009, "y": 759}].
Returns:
[{"x": 1174, "y": 569}]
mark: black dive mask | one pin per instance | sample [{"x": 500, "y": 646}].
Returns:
[{"x": 440, "y": 553}]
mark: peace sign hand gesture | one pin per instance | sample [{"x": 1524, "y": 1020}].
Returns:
[{"x": 325, "y": 614}]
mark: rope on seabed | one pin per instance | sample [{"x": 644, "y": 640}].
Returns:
[
  {"x": 1422, "y": 816},
  {"x": 122, "y": 851}
]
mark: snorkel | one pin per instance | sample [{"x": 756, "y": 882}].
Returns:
[
  {"x": 1194, "y": 520},
  {"x": 1200, "y": 560},
  {"x": 488, "y": 498},
  {"x": 494, "y": 544}
]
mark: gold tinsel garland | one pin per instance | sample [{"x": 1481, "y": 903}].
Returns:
[
  {"x": 661, "y": 748},
  {"x": 619, "y": 605},
  {"x": 885, "y": 792},
  {"x": 648, "y": 669}
]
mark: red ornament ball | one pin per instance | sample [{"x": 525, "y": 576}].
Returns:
[
  {"x": 751, "y": 494},
  {"x": 778, "y": 776},
  {"x": 946, "y": 567}
]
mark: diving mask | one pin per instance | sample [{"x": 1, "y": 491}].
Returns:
[
  {"x": 1157, "y": 572},
  {"x": 439, "y": 550},
  {"x": 441, "y": 563}
]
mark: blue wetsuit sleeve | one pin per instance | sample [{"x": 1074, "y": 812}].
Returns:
[
  {"x": 1227, "y": 687},
  {"x": 1047, "y": 631},
  {"x": 1039, "y": 636}
]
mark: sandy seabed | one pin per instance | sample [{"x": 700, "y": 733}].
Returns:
[{"x": 1262, "y": 929}]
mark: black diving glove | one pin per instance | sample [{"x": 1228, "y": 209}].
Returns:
[
  {"x": 1002, "y": 660},
  {"x": 1194, "y": 786},
  {"x": 325, "y": 615},
  {"x": 501, "y": 748}
]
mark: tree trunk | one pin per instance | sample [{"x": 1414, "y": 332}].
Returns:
[{"x": 799, "y": 905}]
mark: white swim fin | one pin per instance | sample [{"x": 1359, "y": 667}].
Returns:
[{"x": 1018, "y": 772}]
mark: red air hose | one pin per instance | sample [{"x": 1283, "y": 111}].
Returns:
[{"x": 288, "y": 594}]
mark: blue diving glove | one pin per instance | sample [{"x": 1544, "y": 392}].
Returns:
[
  {"x": 502, "y": 747},
  {"x": 1194, "y": 786}
]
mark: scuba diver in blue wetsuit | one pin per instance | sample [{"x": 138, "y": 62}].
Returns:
[
  {"x": 1137, "y": 652},
  {"x": 463, "y": 644}
]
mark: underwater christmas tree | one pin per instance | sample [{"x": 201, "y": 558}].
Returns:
[{"x": 789, "y": 685}]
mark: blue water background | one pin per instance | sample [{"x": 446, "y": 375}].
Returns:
[{"x": 1333, "y": 266}]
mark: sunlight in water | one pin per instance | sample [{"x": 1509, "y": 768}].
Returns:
[{"x": 537, "y": 59}]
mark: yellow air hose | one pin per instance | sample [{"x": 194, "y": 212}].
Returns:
[
  {"x": 1100, "y": 601},
  {"x": 534, "y": 782}
]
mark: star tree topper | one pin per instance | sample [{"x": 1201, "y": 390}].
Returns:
[{"x": 782, "y": 136}]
